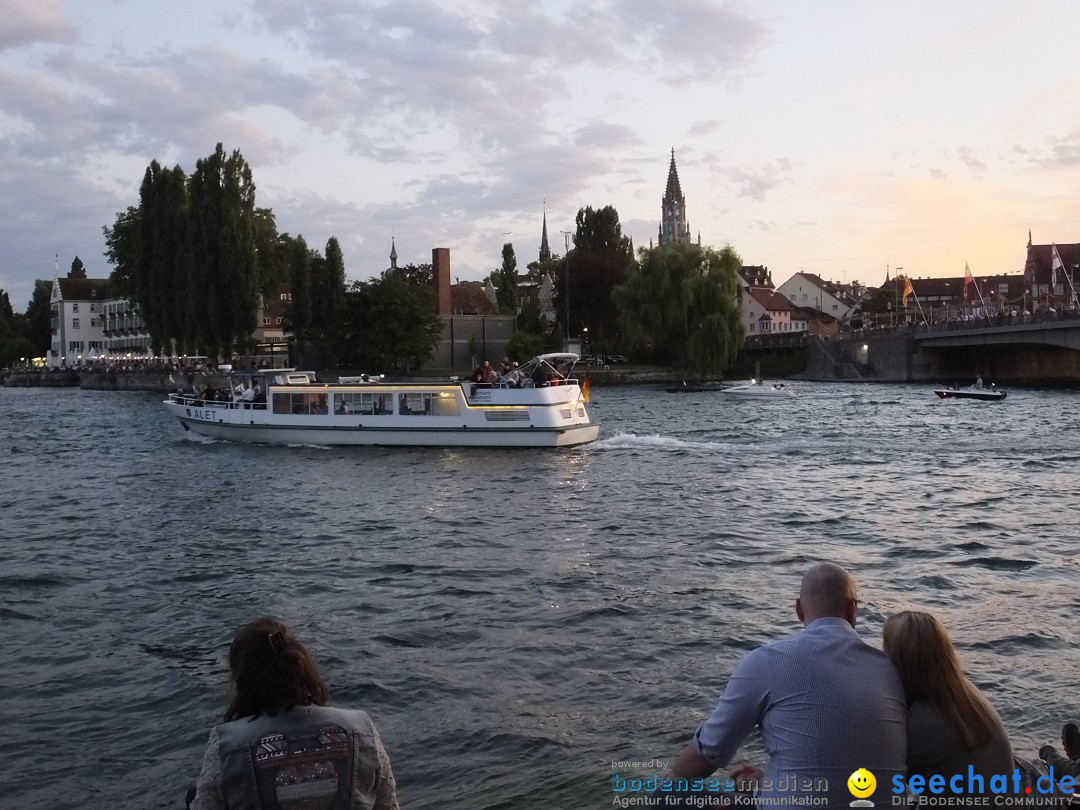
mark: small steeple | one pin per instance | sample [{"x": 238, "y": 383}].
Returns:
[
  {"x": 545, "y": 251},
  {"x": 393, "y": 254}
]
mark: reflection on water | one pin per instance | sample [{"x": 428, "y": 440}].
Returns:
[{"x": 514, "y": 621}]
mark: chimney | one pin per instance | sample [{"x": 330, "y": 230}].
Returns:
[{"x": 440, "y": 277}]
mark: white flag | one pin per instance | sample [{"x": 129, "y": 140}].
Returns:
[{"x": 1055, "y": 265}]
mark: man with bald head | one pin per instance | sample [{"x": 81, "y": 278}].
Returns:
[{"x": 827, "y": 705}]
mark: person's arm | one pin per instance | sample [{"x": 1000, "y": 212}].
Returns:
[
  {"x": 736, "y": 714},
  {"x": 208, "y": 786},
  {"x": 385, "y": 787}
]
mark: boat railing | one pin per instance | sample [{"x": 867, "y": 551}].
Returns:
[{"x": 192, "y": 401}]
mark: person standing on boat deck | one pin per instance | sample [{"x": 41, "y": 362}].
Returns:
[
  {"x": 248, "y": 395},
  {"x": 826, "y": 702},
  {"x": 280, "y": 744}
]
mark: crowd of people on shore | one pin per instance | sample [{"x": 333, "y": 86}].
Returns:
[{"x": 839, "y": 719}]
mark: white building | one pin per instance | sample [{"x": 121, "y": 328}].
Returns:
[
  {"x": 809, "y": 290},
  {"x": 78, "y": 320},
  {"x": 768, "y": 312}
]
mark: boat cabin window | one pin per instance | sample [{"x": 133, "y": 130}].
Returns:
[
  {"x": 428, "y": 403},
  {"x": 364, "y": 404},
  {"x": 300, "y": 404}
]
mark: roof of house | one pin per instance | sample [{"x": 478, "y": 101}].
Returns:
[
  {"x": 841, "y": 292},
  {"x": 772, "y": 300},
  {"x": 469, "y": 298},
  {"x": 84, "y": 289},
  {"x": 756, "y": 276}
]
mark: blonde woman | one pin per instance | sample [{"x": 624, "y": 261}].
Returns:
[{"x": 950, "y": 723}]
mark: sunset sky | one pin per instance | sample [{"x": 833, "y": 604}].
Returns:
[{"x": 840, "y": 138}]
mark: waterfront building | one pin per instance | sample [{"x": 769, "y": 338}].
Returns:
[
  {"x": 78, "y": 323},
  {"x": 768, "y": 312},
  {"x": 272, "y": 319},
  {"x": 1049, "y": 285},
  {"x": 126, "y": 334}
]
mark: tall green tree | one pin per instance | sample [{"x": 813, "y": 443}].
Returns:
[
  {"x": 39, "y": 318},
  {"x": 389, "y": 323},
  {"x": 122, "y": 244},
  {"x": 300, "y": 311},
  {"x": 505, "y": 281},
  {"x": 598, "y": 262},
  {"x": 223, "y": 238},
  {"x": 328, "y": 290},
  {"x": 680, "y": 305}
]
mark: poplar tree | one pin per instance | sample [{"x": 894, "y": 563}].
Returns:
[{"x": 300, "y": 284}]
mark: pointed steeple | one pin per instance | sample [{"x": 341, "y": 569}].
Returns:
[
  {"x": 673, "y": 224},
  {"x": 393, "y": 254},
  {"x": 545, "y": 251}
]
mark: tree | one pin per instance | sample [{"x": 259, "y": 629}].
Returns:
[
  {"x": 39, "y": 318},
  {"x": 122, "y": 246},
  {"x": 300, "y": 284},
  {"x": 422, "y": 275},
  {"x": 680, "y": 305},
  {"x": 389, "y": 322},
  {"x": 223, "y": 239},
  {"x": 598, "y": 262},
  {"x": 505, "y": 281},
  {"x": 328, "y": 290},
  {"x": 77, "y": 269}
]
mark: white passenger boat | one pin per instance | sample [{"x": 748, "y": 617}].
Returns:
[
  {"x": 759, "y": 388},
  {"x": 542, "y": 406}
]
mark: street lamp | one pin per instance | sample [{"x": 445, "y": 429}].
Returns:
[
  {"x": 584, "y": 340},
  {"x": 566, "y": 282}
]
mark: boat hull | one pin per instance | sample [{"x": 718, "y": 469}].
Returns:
[
  {"x": 982, "y": 396},
  {"x": 360, "y": 435}
]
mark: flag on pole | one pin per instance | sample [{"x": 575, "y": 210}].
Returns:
[
  {"x": 908, "y": 290},
  {"x": 1055, "y": 265},
  {"x": 585, "y": 390},
  {"x": 968, "y": 278}
]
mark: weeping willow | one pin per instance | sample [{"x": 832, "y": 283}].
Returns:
[{"x": 680, "y": 306}]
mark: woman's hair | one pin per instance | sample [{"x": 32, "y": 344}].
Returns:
[
  {"x": 919, "y": 646},
  {"x": 271, "y": 671}
]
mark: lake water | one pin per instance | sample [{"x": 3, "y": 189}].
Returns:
[{"x": 513, "y": 621}]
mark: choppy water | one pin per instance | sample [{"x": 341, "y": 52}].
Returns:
[{"x": 514, "y": 621}]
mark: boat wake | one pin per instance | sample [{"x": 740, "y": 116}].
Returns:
[{"x": 656, "y": 442}]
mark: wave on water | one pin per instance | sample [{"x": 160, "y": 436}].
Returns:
[{"x": 632, "y": 441}]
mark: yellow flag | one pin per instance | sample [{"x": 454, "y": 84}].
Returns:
[
  {"x": 908, "y": 290},
  {"x": 585, "y": 390}
]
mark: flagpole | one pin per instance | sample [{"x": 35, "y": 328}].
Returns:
[{"x": 919, "y": 305}]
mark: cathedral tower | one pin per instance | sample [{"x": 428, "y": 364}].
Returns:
[{"x": 673, "y": 224}]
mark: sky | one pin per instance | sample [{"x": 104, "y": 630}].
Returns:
[{"x": 839, "y": 137}]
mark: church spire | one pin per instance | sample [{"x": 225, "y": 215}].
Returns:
[
  {"x": 393, "y": 254},
  {"x": 545, "y": 251},
  {"x": 673, "y": 224}
]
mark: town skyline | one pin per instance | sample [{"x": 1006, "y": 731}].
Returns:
[{"x": 841, "y": 144}]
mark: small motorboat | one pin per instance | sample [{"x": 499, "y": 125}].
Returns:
[
  {"x": 693, "y": 389},
  {"x": 760, "y": 388},
  {"x": 978, "y": 392}
]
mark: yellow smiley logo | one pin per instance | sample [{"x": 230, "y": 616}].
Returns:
[{"x": 861, "y": 783}]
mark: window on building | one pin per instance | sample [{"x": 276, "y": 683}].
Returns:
[
  {"x": 74, "y": 307},
  {"x": 74, "y": 323},
  {"x": 75, "y": 346},
  {"x": 93, "y": 307},
  {"x": 834, "y": 307},
  {"x": 279, "y": 320},
  {"x": 266, "y": 321},
  {"x": 284, "y": 296}
]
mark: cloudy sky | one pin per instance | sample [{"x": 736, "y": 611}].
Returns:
[{"x": 839, "y": 137}]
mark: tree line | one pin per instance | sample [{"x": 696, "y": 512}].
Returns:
[{"x": 676, "y": 305}]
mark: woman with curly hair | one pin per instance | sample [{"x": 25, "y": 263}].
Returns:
[{"x": 281, "y": 746}]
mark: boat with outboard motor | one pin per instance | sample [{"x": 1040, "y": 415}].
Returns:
[
  {"x": 539, "y": 404},
  {"x": 761, "y": 389},
  {"x": 977, "y": 391}
]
